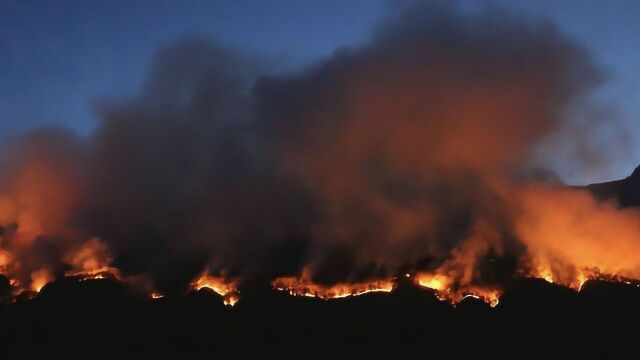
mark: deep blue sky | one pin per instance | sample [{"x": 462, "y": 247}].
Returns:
[{"x": 56, "y": 57}]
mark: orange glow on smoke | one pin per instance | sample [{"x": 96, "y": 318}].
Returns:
[
  {"x": 40, "y": 278},
  {"x": 5, "y": 259},
  {"x": 545, "y": 274},
  {"x": 445, "y": 291},
  {"x": 580, "y": 280},
  {"x": 39, "y": 200},
  {"x": 91, "y": 261},
  {"x": 390, "y": 154},
  {"x": 223, "y": 287},
  {"x": 435, "y": 282},
  {"x": 571, "y": 237}
]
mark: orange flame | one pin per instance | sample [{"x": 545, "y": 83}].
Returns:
[
  {"x": 39, "y": 279},
  {"x": 231, "y": 299},
  {"x": 446, "y": 290},
  {"x": 435, "y": 282},
  {"x": 223, "y": 287},
  {"x": 91, "y": 260},
  {"x": 302, "y": 286}
]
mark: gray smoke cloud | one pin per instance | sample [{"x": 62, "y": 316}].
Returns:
[{"x": 379, "y": 156}]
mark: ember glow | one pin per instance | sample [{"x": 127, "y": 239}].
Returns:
[
  {"x": 223, "y": 287},
  {"x": 39, "y": 279},
  {"x": 435, "y": 282},
  {"x": 302, "y": 286},
  {"x": 444, "y": 290},
  {"x": 91, "y": 257}
]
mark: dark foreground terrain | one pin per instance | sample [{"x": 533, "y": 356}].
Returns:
[{"x": 102, "y": 319}]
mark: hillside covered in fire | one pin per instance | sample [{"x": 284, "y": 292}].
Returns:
[{"x": 398, "y": 199}]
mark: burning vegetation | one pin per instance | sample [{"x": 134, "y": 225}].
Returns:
[
  {"x": 219, "y": 285},
  {"x": 304, "y": 286},
  {"x": 416, "y": 155}
]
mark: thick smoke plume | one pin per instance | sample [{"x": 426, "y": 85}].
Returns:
[{"x": 413, "y": 152}]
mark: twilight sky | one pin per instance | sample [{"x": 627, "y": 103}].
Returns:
[{"x": 58, "y": 57}]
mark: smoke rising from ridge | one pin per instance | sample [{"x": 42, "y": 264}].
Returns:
[{"x": 412, "y": 150}]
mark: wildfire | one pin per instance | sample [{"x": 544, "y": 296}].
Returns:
[
  {"x": 224, "y": 287},
  {"x": 446, "y": 291},
  {"x": 580, "y": 280},
  {"x": 302, "y": 286},
  {"x": 435, "y": 282},
  {"x": 39, "y": 279},
  {"x": 231, "y": 299},
  {"x": 100, "y": 273},
  {"x": 576, "y": 279},
  {"x": 545, "y": 274},
  {"x": 91, "y": 261},
  {"x": 452, "y": 282},
  {"x": 445, "y": 288},
  {"x": 5, "y": 259}
]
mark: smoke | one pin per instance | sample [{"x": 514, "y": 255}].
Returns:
[
  {"x": 407, "y": 142},
  {"x": 412, "y": 150},
  {"x": 567, "y": 232},
  {"x": 179, "y": 177}
]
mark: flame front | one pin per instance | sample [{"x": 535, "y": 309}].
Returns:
[
  {"x": 39, "y": 279},
  {"x": 91, "y": 260},
  {"x": 570, "y": 237},
  {"x": 220, "y": 285},
  {"x": 446, "y": 289},
  {"x": 303, "y": 286},
  {"x": 435, "y": 282}
]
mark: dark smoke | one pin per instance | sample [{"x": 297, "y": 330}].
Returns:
[
  {"x": 404, "y": 143},
  {"x": 377, "y": 157},
  {"x": 180, "y": 175}
]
